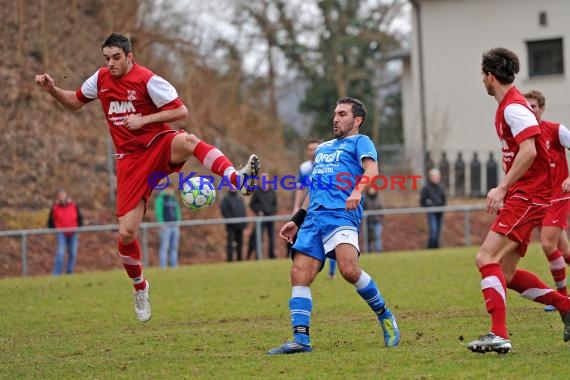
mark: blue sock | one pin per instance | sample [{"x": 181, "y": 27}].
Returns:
[
  {"x": 301, "y": 305},
  {"x": 369, "y": 292},
  {"x": 332, "y": 267}
]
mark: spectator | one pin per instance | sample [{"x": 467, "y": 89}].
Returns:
[
  {"x": 433, "y": 195},
  {"x": 167, "y": 211},
  {"x": 233, "y": 207},
  {"x": 263, "y": 203},
  {"x": 65, "y": 213},
  {"x": 373, "y": 201}
]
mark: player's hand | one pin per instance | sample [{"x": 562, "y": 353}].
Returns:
[
  {"x": 134, "y": 121},
  {"x": 566, "y": 185},
  {"x": 288, "y": 231},
  {"x": 353, "y": 201},
  {"x": 495, "y": 197},
  {"x": 45, "y": 82}
]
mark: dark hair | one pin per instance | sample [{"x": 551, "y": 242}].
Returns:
[
  {"x": 537, "y": 95},
  {"x": 502, "y": 63},
  {"x": 358, "y": 108},
  {"x": 118, "y": 40}
]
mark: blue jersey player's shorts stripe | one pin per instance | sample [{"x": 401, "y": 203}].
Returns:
[{"x": 322, "y": 231}]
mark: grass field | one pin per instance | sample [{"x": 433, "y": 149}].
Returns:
[{"x": 217, "y": 322}]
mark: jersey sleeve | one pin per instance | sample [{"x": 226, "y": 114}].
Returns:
[
  {"x": 88, "y": 90},
  {"x": 163, "y": 94},
  {"x": 564, "y": 136},
  {"x": 365, "y": 149},
  {"x": 522, "y": 122}
]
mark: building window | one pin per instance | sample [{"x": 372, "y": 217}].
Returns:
[
  {"x": 542, "y": 19},
  {"x": 545, "y": 57}
]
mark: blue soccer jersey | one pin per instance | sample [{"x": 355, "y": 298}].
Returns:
[{"x": 337, "y": 168}]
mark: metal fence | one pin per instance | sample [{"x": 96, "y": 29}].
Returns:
[{"x": 258, "y": 220}]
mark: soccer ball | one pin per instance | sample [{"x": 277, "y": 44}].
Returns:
[{"x": 198, "y": 193}]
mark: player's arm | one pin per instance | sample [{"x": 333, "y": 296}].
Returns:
[
  {"x": 67, "y": 98},
  {"x": 136, "y": 121},
  {"x": 564, "y": 137},
  {"x": 298, "y": 200},
  {"x": 523, "y": 160},
  {"x": 165, "y": 98},
  {"x": 370, "y": 171}
]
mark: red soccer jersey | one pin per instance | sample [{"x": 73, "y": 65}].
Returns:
[
  {"x": 139, "y": 91},
  {"x": 515, "y": 123},
  {"x": 556, "y": 136}
]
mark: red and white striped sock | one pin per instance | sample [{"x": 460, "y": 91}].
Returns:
[
  {"x": 530, "y": 286},
  {"x": 131, "y": 256},
  {"x": 214, "y": 160},
  {"x": 558, "y": 270},
  {"x": 495, "y": 294}
]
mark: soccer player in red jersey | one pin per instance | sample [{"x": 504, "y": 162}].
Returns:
[
  {"x": 138, "y": 104},
  {"x": 520, "y": 201},
  {"x": 554, "y": 242}
]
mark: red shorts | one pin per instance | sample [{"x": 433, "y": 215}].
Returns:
[
  {"x": 135, "y": 169},
  {"x": 557, "y": 214},
  {"x": 517, "y": 219}
]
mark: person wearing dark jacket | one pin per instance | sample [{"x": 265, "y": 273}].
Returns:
[
  {"x": 64, "y": 213},
  {"x": 264, "y": 203},
  {"x": 233, "y": 207},
  {"x": 433, "y": 195}
]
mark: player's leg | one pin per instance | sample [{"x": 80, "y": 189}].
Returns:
[
  {"x": 347, "y": 261},
  {"x": 130, "y": 252},
  {"x": 494, "y": 289},
  {"x": 332, "y": 268},
  {"x": 564, "y": 247},
  {"x": 185, "y": 145},
  {"x": 303, "y": 272},
  {"x": 549, "y": 237},
  {"x": 553, "y": 224},
  {"x": 533, "y": 288}
]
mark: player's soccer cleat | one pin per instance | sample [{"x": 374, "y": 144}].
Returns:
[
  {"x": 246, "y": 176},
  {"x": 142, "y": 304},
  {"x": 490, "y": 342},
  {"x": 549, "y": 308},
  {"x": 390, "y": 329},
  {"x": 566, "y": 320},
  {"x": 289, "y": 347}
]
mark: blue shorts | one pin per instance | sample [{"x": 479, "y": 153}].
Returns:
[{"x": 322, "y": 231}]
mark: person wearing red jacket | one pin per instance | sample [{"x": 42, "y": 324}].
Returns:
[{"x": 65, "y": 213}]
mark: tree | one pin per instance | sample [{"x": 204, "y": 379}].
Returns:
[{"x": 339, "y": 47}]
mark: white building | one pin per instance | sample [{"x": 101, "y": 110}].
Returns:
[{"x": 445, "y": 106}]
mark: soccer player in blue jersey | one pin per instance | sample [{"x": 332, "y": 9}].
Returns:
[
  {"x": 303, "y": 184},
  {"x": 328, "y": 225}
]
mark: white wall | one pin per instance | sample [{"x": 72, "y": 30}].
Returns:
[{"x": 460, "y": 114}]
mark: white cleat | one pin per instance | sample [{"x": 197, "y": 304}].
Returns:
[
  {"x": 490, "y": 342},
  {"x": 247, "y": 175},
  {"x": 142, "y": 304}
]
